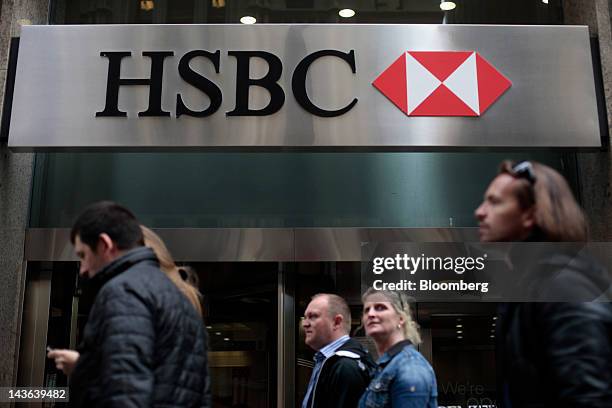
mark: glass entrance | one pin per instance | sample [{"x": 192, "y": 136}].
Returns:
[
  {"x": 240, "y": 312},
  {"x": 253, "y": 314}
]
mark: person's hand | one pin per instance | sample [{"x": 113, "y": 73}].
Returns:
[{"x": 65, "y": 360}]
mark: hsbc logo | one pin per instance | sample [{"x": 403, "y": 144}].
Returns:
[
  {"x": 442, "y": 83},
  {"x": 420, "y": 83}
]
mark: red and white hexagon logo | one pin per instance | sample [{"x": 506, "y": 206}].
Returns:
[{"x": 442, "y": 83}]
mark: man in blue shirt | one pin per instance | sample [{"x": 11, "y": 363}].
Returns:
[{"x": 342, "y": 366}]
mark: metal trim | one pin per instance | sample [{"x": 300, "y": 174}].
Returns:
[
  {"x": 255, "y": 244},
  {"x": 34, "y": 329}
]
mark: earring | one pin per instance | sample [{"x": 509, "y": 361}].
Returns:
[{"x": 399, "y": 326}]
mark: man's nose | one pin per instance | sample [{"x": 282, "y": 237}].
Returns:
[{"x": 480, "y": 212}]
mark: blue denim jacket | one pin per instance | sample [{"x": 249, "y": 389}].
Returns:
[{"x": 403, "y": 379}]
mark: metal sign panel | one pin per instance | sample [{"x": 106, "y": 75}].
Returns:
[{"x": 312, "y": 87}]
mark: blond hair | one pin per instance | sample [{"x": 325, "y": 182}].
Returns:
[
  {"x": 399, "y": 302},
  {"x": 167, "y": 265}
]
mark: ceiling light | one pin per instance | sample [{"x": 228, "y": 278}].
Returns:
[
  {"x": 492, "y": 336},
  {"x": 248, "y": 20},
  {"x": 226, "y": 338},
  {"x": 545, "y": 1},
  {"x": 447, "y": 5},
  {"x": 346, "y": 13},
  {"x": 146, "y": 5},
  {"x": 218, "y": 333},
  {"x": 494, "y": 317},
  {"x": 459, "y": 325},
  {"x": 459, "y": 331},
  {"x": 209, "y": 327},
  {"x": 459, "y": 337}
]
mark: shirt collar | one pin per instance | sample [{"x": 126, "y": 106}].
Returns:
[
  {"x": 393, "y": 351},
  {"x": 331, "y": 348}
]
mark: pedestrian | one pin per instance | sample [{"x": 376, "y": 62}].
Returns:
[
  {"x": 552, "y": 354},
  {"x": 144, "y": 344},
  {"x": 404, "y": 378},
  {"x": 65, "y": 359},
  {"x": 186, "y": 285},
  {"x": 342, "y": 365}
]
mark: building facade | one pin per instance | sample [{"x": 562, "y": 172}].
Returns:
[{"x": 265, "y": 231}]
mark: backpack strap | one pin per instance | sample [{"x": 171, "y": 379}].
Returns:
[{"x": 346, "y": 353}]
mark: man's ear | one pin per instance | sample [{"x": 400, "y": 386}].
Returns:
[
  {"x": 528, "y": 218},
  {"x": 105, "y": 244},
  {"x": 338, "y": 320}
]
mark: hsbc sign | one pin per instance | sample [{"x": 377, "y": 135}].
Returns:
[{"x": 319, "y": 87}]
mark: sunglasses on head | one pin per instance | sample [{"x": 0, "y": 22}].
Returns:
[{"x": 524, "y": 170}]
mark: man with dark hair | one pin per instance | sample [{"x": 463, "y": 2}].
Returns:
[
  {"x": 342, "y": 366},
  {"x": 144, "y": 344},
  {"x": 559, "y": 353}
]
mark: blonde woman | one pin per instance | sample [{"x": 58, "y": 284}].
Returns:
[{"x": 403, "y": 377}]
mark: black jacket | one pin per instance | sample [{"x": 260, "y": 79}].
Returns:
[
  {"x": 144, "y": 345},
  {"x": 558, "y": 354},
  {"x": 343, "y": 378}
]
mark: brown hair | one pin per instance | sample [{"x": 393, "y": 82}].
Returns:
[
  {"x": 400, "y": 304},
  {"x": 557, "y": 214},
  {"x": 336, "y": 305},
  {"x": 167, "y": 265}
]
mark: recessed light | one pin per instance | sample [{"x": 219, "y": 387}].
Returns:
[
  {"x": 226, "y": 338},
  {"x": 459, "y": 331},
  {"x": 346, "y": 13},
  {"x": 447, "y": 5},
  {"x": 147, "y": 5},
  {"x": 218, "y": 333},
  {"x": 545, "y": 1},
  {"x": 209, "y": 327},
  {"x": 459, "y": 337},
  {"x": 492, "y": 336},
  {"x": 494, "y": 317},
  {"x": 248, "y": 20},
  {"x": 459, "y": 325}
]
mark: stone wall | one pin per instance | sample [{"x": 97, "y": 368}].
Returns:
[
  {"x": 15, "y": 186},
  {"x": 595, "y": 172}
]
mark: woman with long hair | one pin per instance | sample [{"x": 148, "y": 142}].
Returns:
[
  {"x": 403, "y": 377},
  {"x": 167, "y": 265}
]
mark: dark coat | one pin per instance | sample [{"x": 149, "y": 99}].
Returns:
[
  {"x": 144, "y": 345},
  {"x": 558, "y": 354},
  {"x": 343, "y": 378}
]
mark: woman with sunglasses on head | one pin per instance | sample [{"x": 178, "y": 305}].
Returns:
[
  {"x": 555, "y": 348},
  {"x": 403, "y": 377}
]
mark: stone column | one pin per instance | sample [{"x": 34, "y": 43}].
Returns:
[
  {"x": 595, "y": 170},
  {"x": 15, "y": 187}
]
